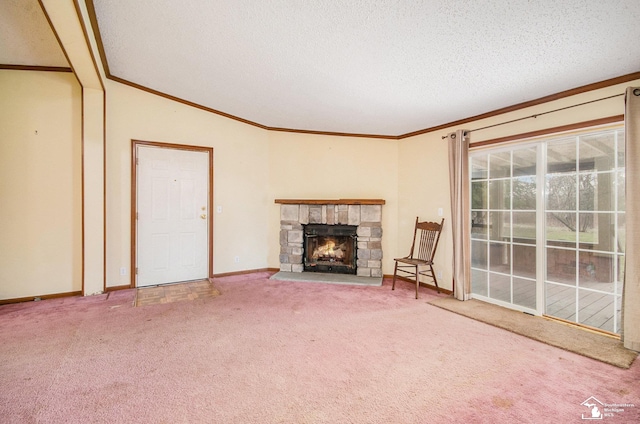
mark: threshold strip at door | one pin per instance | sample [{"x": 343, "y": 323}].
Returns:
[{"x": 175, "y": 292}]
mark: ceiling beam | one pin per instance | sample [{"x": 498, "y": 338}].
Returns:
[{"x": 65, "y": 23}]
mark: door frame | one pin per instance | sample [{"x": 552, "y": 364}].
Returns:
[{"x": 134, "y": 198}]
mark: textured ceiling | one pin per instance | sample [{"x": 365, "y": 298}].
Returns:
[
  {"x": 361, "y": 66},
  {"x": 25, "y": 36},
  {"x": 355, "y": 66}
]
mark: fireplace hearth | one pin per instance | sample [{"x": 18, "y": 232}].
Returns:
[{"x": 330, "y": 248}]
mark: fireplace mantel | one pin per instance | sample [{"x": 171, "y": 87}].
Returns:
[
  {"x": 330, "y": 202},
  {"x": 365, "y": 214}
]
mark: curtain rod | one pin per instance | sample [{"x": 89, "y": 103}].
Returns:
[{"x": 540, "y": 114}]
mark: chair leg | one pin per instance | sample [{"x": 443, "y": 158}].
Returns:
[
  {"x": 417, "y": 279},
  {"x": 395, "y": 271},
  {"x": 435, "y": 280}
]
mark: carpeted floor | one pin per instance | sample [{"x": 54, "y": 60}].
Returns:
[
  {"x": 267, "y": 351},
  {"x": 592, "y": 345}
]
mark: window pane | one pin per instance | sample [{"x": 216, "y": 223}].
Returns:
[
  {"x": 479, "y": 283},
  {"x": 524, "y": 162},
  {"x": 597, "y": 151},
  {"x": 500, "y": 228},
  {"x": 479, "y": 254},
  {"x": 500, "y": 287},
  {"x": 561, "y": 266},
  {"x": 561, "y": 156},
  {"x": 500, "y": 194},
  {"x": 587, "y": 191},
  {"x": 479, "y": 225},
  {"x": 479, "y": 168},
  {"x": 560, "y": 301},
  {"x": 524, "y": 193},
  {"x": 479, "y": 195},
  {"x": 524, "y": 227},
  {"x": 524, "y": 261},
  {"x": 561, "y": 192},
  {"x": 500, "y": 165},
  {"x": 561, "y": 226},
  {"x": 621, "y": 183},
  {"x": 596, "y": 192},
  {"x": 597, "y": 231},
  {"x": 596, "y": 271},
  {"x": 500, "y": 257},
  {"x": 596, "y": 309},
  {"x": 524, "y": 292},
  {"x": 621, "y": 150},
  {"x": 588, "y": 230}
]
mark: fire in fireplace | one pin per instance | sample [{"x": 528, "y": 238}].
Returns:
[{"x": 330, "y": 248}]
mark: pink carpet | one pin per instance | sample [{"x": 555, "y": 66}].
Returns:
[{"x": 269, "y": 351}]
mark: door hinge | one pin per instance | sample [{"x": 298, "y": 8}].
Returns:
[
  {"x": 137, "y": 215},
  {"x": 136, "y": 271},
  {"x": 137, "y": 161}
]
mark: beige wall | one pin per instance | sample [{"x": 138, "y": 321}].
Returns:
[
  {"x": 307, "y": 166},
  {"x": 423, "y": 189},
  {"x": 40, "y": 184}
]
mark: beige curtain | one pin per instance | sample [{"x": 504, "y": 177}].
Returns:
[
  {"x": 460, "y": 212},
  {"x": 631, "y": 291}
]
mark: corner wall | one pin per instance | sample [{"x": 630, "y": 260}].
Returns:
[{"x": 309, "y": 166}]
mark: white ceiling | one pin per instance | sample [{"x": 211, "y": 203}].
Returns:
[{"x": 386, "y": 67}]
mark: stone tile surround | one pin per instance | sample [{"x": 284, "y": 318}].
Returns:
[{"x": 366, "y": 214}]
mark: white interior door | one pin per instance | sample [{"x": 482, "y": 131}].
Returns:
[{"x": 172, "y": 215}]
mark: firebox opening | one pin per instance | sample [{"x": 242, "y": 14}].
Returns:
[{"x": 330, "y": 248}]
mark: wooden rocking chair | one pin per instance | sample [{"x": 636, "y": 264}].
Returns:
[{"x": 421, "y": 255}]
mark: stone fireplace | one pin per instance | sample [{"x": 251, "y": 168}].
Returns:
[{"x": 330, "y": 225}]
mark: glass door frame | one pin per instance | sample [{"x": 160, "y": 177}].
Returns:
[
  {"x": 539, "y": 222},
  {"x": 541, "y": 145}
]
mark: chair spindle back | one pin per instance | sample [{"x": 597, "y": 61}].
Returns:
[{"x": 429, "y": 235}]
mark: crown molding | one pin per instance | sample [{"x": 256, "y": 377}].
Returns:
[{"x": 36, "y": 68}]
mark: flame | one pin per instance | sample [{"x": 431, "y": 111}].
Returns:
[{"x": 328, "y": 249}]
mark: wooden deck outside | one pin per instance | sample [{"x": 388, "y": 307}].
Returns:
[{"x": 597, "y": 308}]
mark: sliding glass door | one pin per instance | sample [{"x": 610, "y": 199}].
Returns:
[
  {"x": 548, "y": 227},
  {"x": 584, "y": 241},
  {"x": 503, "y": 226}
]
